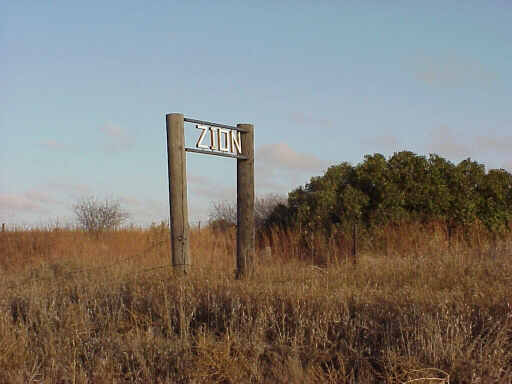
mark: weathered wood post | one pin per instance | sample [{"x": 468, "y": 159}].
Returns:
[
  {"x": 245, "y": 203},
  {"x": 354, "y": 243},
  {"x": 177, "y": 170}
]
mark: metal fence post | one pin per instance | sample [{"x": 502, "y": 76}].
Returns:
[
  {"x": 177, "y": 170},
  {"x": 245, "y": 203}
]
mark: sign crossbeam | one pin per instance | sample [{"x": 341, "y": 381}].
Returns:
[
  {"x": 195, "y": 121},
  {"x": 214, "y": 153}
]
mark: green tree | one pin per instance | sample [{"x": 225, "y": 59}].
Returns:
[
  {"x": 464, "y": 182},
  {"x": 404, "y": 187},
  {"x": 438, "y": 191},
  {"x": 495, "y": 204},
  {"x": 373, "y": 178}
]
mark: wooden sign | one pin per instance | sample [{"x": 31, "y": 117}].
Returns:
[{"x": 220, "y": 140}]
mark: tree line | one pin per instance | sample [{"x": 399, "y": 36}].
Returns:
[{"x": 405, "y": 187}]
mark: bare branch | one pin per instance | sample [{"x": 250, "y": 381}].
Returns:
[
  {"x": 96, "y": 217},
  {"x": 223, "y": 213}
]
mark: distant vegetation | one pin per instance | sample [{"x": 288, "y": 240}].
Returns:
[{"x": 404, "y": 188}]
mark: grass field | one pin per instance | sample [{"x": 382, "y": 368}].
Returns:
[{"x": 80, "y": 309}]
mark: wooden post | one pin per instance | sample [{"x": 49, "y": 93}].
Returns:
[
  {"x": 354, "y": 243},
  {"x": 245, "y": 203},
  {"x": 3, "y": 227},
  {"x": 177, "y": 169}
]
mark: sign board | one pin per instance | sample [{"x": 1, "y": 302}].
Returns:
[
  {"x": 217, "y": 139},
  {"x": 220, "y": 139}
]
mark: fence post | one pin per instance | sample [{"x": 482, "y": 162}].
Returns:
[
  {"x": 245, "y": 203},
  {"x": 177, "y": 171},
  {"x": 354, "y": 243}
]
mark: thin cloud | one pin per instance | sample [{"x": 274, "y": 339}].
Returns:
[
  {"x": 57, "y": 198},
  {"x": 145, "y": 211},
  {"x": 116, "y": 138},
  {"x": 303, "y": 119},
  {"x": 131, "y": 201},
  {"x": 41, "y": 197},
  {"x": 203, "y": 191},
  {"x": 206, "y": 189},
  {"x": 279, "y": 168},
  {"x": 29, "y": 201},
  {"x": 445, "y": 141},
  {"x": 39, "y": 204},
  {"x": 11, "y": 202},
  {"x": 53, "y": 145},
  {"x": 454, "y": 72},
  {"x": 71, "y": 190},
  {"x": 495, "y": 144},
  {"x": 383, "y": 142},
  {"x": 281, "y": 155},
  {"x": 266, "y": 182}
]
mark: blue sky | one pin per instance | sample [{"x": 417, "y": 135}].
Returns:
[{"x": 85, "y": 87}]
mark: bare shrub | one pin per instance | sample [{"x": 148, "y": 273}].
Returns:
[
  {"x": 264, "y": 206},
  {"x": 223, "y": 213},
  {"x": 96, "y": 216}
]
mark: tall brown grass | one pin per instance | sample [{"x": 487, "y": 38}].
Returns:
[{"x": 417, "y": 306}]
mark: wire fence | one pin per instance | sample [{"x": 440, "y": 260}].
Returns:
[
  {"x": 315, "y": 272},
  {"x": 67, "y": 274}
]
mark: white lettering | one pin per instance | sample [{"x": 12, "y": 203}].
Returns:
[
  {"x": 224, "y": 141},
  {"x": 221, "y": 139},
  {"x": 204, "y": 129},
  {"x": 212, "y": 138},
  {"x": 236, "y": 142}
]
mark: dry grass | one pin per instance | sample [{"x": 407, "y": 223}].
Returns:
[{"x": 415, "y": 308}]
